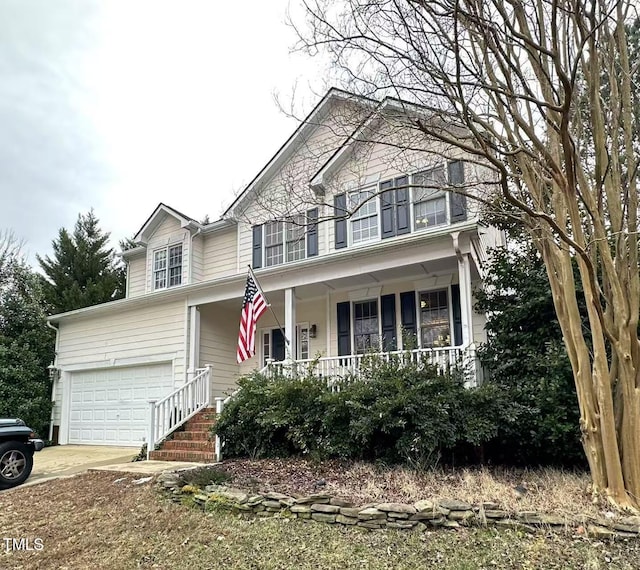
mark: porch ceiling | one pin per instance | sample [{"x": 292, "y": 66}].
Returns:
[
  {"x": 369, "y": 279},
  {"x": 372, "y": 278}
]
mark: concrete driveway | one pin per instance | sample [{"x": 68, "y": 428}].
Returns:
[
  {"x": 68, "y": 460},
  {"x": 65, "y": 460}
]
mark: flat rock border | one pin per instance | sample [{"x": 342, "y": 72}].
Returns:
[{"x": 422, "y": 515}]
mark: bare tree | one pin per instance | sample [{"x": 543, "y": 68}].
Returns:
[{"x": 515, "y": 84}]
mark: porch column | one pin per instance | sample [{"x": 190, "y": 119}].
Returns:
[
  {"x": 194, "y": 338},
  {"x": 290, "y": 322},
  {"x": 466, "y": 308}
]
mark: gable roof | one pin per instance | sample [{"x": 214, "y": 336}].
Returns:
[
  {"x": 161, "y": 211},
  {"x": 312, "y": 120},
  {"x": 360, "y": 134}
]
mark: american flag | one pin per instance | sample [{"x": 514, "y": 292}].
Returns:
[{"x": 253, "y": 305}]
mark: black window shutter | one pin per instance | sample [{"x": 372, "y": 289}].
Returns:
[
  {"x": 408, "y": 314},
  {"x": 312, "y": 232},
  {"x": 389, "y": 341},
  {"x": 256, "y": 261},
  {"x": 458, "y": 202},
  {"x": 457, "y": 314},
  {"x": 387, "y": 209},
  {"x": 344, "y": 328},
  {"x": 339, "y": 211},
  {"x": 403, "y": 224}
]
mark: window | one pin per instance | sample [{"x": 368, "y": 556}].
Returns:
[
  {"x": 435, "y": 329},
  {"x": 285, "y": 241},
  {"x": 273, "y": 246},
  {"x": 429, "y": 201},
  {"x": 364, "y": 219},
  {"x": 167, "y": 267},
  {"x": 366, "y": 330},
  {"x": 266, "y": 348},
  {"x": 295, "y": 238}
]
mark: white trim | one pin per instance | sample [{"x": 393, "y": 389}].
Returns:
[
  {"x": 121, "y": 362},
  {"x": 466, "y": 310},
  {"x": 329, "y": 324},
  {"x": 185, "y": 333},
  {"x": 65, "y": 408},
  {"x": 194, "y": 338},
  {"x": 290, "y": 344}
]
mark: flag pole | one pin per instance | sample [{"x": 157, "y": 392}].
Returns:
[{"x": 284, "y": 335}]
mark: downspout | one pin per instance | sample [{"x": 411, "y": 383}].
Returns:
[
  {"x": 55, "y": 377},
  {"x": 194, "y": 234}
]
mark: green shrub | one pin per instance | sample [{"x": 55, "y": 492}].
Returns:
[{"x": 394, "y": 413}]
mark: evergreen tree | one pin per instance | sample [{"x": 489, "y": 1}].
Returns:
[
  {"x": 26, "y": 343},
  {"x": 83, "y": 270},
  {"x": 524, "y": 355}
]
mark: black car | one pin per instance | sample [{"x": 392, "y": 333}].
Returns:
[{"x": 17, "y": 446}]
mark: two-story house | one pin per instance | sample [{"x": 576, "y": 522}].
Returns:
[{"x": 356, "y": 243}]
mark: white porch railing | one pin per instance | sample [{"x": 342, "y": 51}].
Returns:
[
  {"x": 174, "y": 410},
  {"x": 337, "y": 368}
]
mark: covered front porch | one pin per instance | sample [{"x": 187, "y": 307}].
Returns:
[{"x": 327, "y": 323}]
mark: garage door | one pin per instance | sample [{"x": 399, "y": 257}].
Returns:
[{"x": 110, "y": 406}]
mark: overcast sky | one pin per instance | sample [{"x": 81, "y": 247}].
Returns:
[{"x": 119, "y": 105}]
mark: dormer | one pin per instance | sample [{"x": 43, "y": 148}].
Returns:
[{"x": 167, "y": 240}]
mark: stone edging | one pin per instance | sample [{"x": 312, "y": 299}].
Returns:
[{"x": 422, "y": 515}]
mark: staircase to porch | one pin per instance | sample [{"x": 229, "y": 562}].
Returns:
[{"x": 192, "y": 442}]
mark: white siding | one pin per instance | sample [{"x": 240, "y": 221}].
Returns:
[
  {"x": 155, "y": 330},
  {"x": 197, "y": 258},
  {"x": 137, "y": 276},
  {"x": 287, "y": 192},
  {"x": 218, "y": 341},
  {"x": 220, "y": 251}
]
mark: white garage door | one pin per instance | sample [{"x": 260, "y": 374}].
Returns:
[{"x": 110, "y": 406}]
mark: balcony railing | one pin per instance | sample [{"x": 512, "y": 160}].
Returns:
[
  {"x": 337, "y": 368},
  {"x": 182, "y": 404}
]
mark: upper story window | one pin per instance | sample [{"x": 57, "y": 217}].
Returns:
[
  {"x": 278, "y": 242},
  {"x": 364, "y": 219},
  {"x": 401, "y": 205},
  {"x": 273, "y": 244},
  {"x": 167, "y": 267},
  {"x": 429, "y": 200}
]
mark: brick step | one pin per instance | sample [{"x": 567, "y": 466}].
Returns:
[
  {"x": 189, "y": 445},
  {"x": 191, "y": 435},
  {"x": 180, "y": 455},
  {"x": 198, "y": 426},
  {"x": 202, "y": 417}
]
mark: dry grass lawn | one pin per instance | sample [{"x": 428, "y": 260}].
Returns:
[
  {"x": 95, "y": 521},
  {"x": 548, "y": 490}
]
